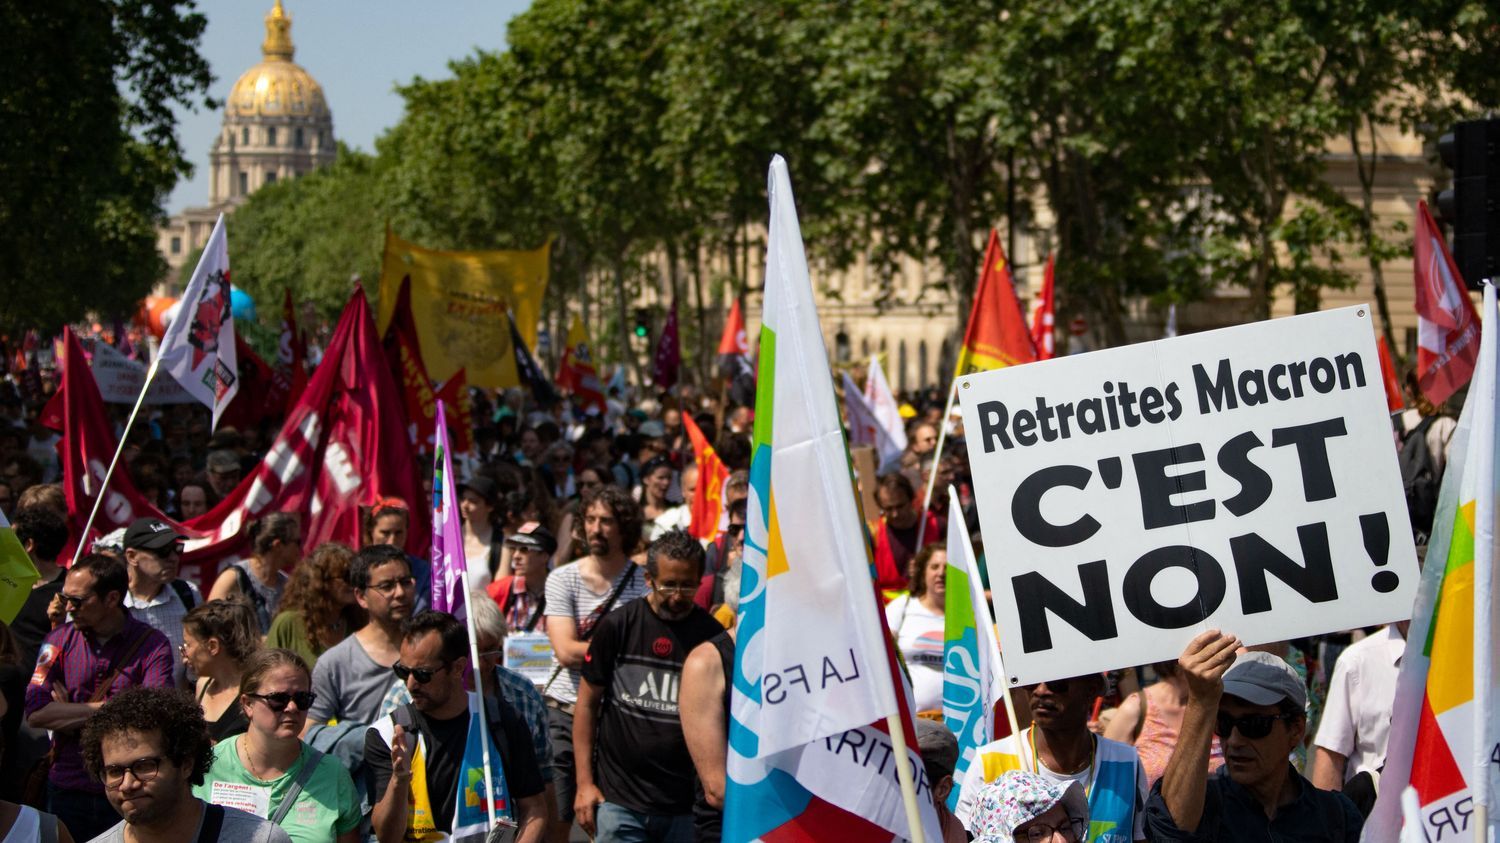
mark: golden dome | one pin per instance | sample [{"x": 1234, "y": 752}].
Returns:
[{"x": 277, "y": 87}]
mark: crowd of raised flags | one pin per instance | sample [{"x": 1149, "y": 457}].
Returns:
[{"x": 817, "y": 679}]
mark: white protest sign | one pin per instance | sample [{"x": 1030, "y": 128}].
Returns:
[
  {"x": 120, "y": 378},
  {"x": 1243, "y": 479}
]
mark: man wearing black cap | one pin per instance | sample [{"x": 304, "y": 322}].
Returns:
[
  {"x": 1255, "y": 703},
  {"x": 522, "y": 595},
  {"x": 157, "y": 596}
]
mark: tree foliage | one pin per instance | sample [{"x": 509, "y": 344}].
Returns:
[
  {"x": 1162, "y": 147},
  {"x": 88, "y": 150}
]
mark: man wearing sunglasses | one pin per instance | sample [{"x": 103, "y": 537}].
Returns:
[
  {"x": 1255, "y": 703},
  {"x": 423, "y": 772},
  {"x": 101, "y": 652},
  {"x": 1059, "y": 747},
  {"x": 156, "y": 595},
  {"x": 644, "y": 789}
]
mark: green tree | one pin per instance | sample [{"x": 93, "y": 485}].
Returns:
[{"x": 88, "y": 150}]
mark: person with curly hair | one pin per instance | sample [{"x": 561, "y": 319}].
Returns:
[
  {"x": 319, "y": 609},
  {"x": 217, "y": 639},
  {"x": 149, "y": 746}
]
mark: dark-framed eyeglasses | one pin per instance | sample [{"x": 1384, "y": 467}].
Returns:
[
  {"x": 144, "y": 770},
  {"x": 388, "y": 587},
  {"x": 423, "y": 674},
  {"x": 279, "y": 700},
  {"x": 674, "y": 589},
  {"x": 1252, "y": 726},
  {"x": 1040, "y": 832}
]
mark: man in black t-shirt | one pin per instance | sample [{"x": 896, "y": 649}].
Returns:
[
  {"x": 430, "y": 736},
  {"x": 644, "y": 786}
]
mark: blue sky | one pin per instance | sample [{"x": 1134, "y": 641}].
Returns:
[{"x": 359, "y": 50}]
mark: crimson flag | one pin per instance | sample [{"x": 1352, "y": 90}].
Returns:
[
  {"x": 1393, "y": 400},
  {"x": 668, "y": 354},
  {"x": 454, "y": 393},
  {"x": 340, "y": 449},
  {"x": 291, "y": 355},
  {"x": 1044, "y": 316},
  {"x": 1447, "y": 327},
  {"x": 403, "y": 354}
]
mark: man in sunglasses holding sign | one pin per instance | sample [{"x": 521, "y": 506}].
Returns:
[{"x": 1255, "y": 703}]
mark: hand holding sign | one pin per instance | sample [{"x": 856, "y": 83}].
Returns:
[{"x": 1205, "y": 662}]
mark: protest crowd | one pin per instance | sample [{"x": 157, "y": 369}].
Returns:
[{"x": 185, "y": 675}]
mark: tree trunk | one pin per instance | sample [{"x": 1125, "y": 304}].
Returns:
[
  {"x": 622, "y": 313},
  {"x": 1366, "y": 173},
  {"x": 705, "y": 352}
]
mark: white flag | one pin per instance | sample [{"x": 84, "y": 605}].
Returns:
[
  {"x": 890, "y": 438},
  {"x": 198, "y": 349}
]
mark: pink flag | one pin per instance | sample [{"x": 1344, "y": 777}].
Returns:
[
  {"x": 449, "y": 573},
  {"x": 668, "y": 354}
]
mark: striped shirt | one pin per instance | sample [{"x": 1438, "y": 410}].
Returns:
[{"x": 81, "y": 663}]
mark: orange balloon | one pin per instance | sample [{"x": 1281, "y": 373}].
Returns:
[{"x": 155, "y": 307}]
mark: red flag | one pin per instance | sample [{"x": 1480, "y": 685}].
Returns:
[
  {"x": 403, "y": 354},
  {"x": 1393, "y": 400},
  {"x": 257, "y": 400},
  {"x": 997, "y": 334},
  {"x": 576, "y": 372},
  {"x": 341, "y": 448},
  {"x": 1447, "y": 326},
  {"x": 668, "y": 354},
  {"x": 291, "y": 355},
  {"x": 708, "y": 497},
  {"x": 734, "y": 340},
  {"x": 1043, "y": 316},
  {"x": 454, "y": 393}
]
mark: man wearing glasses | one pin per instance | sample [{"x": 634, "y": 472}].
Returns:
[
  {"x": 353, "y": 678},
  {"x": 149, "y": 747},
  {"x": 156, "y": 595},
  {"x": 644, "y": 787},
  {"x": 1255, "y": 703},
  {"x": 423, "y": 770},
  {"x": 102, "y": 651}
]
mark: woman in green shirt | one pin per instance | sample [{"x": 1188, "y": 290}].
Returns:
[
  {"x": 318, "y": 610},
  {"x": 269, "y": 771}
]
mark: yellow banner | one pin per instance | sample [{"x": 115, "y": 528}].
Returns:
[{"x": 459, "y": 301}]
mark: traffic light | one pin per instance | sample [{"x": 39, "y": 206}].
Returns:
[
  {"x": 1472, "y": 205},
  {"x": 642, "y": 318}
]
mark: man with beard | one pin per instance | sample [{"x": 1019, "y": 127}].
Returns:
[
  {"x": 1058, "y": 746},
  {"x": 645, "y": 784},
  {"x": 578, "y": 596},
  {"x": 353, "y": 678},
  {"x": 102, "y": 652},
  {"x": 1256, "y": 704},
  {"x": 424, "y": 773},
  {"x": 150, "y": 747}
]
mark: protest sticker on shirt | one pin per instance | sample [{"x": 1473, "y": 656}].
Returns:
[
  {"x": 1243, "y": 479},
  {"x": 246, "y": 797}
]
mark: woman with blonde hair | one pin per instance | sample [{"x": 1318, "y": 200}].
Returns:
[
  {"x": 307, "y": 793},
  {"x": 218, "y": 638},
  {"x": 319, "y": 609}
]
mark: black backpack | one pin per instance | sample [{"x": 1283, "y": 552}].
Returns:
[{"x": 1420, "y": 478}]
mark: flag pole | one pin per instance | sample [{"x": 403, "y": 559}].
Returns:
[
  {"x": 119, "y": 449},
  {"x": 904, "y": 776},
  {"x": 1484, "y": 562},
  {"x": 484, "y": 727},
  {"x": 937, "y": 458}
]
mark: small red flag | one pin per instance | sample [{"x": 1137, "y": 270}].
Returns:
[
  {"x": 1393, "y": 400},
  {"x": 454, "y": 393},
  {"x": 997, "y": 334},
  {"x": 576, "y": 372},
  {"x": 708, "y": 500},
  {"x": 1447, "y": 326},
  {"x": 1043, "y": 317},
  {"x": 734, "y": 339}
]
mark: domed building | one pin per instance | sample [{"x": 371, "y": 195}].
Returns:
[{"x": 277, "y": 125}]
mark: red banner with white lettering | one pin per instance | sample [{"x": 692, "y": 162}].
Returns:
[{"x": 343, "y": 447}]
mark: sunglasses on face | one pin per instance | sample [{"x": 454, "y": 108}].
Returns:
[
  {"x": 71, "y": 602},
  {"x": 423, "y": 674},
  {"x": 279, "y": 700},
  {"x": 1252, "y": 726},
  {"x": 1056, "y": 686}
]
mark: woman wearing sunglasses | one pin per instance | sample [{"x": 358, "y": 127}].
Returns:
[{"x": 269, "y": 771}]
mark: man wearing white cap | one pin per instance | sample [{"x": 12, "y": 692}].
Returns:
[{"x": 1255, "y": 703}]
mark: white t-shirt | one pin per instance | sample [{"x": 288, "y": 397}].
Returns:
[
  {"x": 1361, "y": 694},
  {"x": 919, "y": 634}
]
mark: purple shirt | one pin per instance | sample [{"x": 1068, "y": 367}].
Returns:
[{"x": 81, "y": 663}]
